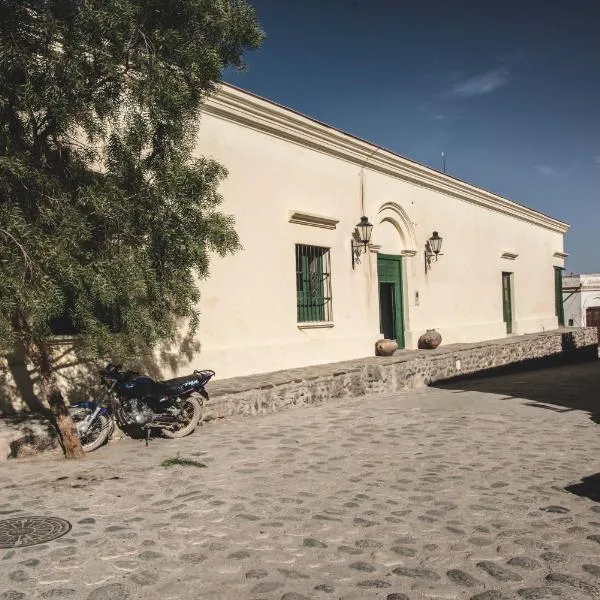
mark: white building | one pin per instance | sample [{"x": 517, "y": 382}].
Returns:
[
  {"x": 581, "y": 297},
  {"x": 294, "y": 296}
]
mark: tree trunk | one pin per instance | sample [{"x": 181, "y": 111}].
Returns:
[{"x": 41, "y": 359}]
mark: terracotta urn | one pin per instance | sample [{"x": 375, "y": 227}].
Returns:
[
  {"x": 385, "y": 347},
  {"x": 430, "y": 340}
]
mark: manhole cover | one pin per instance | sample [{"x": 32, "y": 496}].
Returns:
[{"x": 29, "y": 531}]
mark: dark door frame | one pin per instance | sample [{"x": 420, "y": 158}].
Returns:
[
  {"x": 558, "y": 296},
  {"x": 398, "y": 301},
  {"x": 507, "y": 300},
  {"x": 593, "y": 310}
]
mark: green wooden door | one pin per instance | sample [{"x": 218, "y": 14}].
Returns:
[
  {"x": 507, "y": 300},
  {"x": 391, "y": 312},
  {"x": 558, "y": 296}
]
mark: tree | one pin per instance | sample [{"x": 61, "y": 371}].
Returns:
[{"x": 105, "y": 217}]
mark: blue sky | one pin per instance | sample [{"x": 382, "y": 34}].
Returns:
[{"x": 510, "y": 91}]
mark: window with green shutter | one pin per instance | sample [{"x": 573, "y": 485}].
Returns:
[{"x": 313, "y": 284}]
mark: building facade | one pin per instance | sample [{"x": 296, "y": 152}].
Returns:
[
  {"x": 301, "y": 293},
  {"x": 581, "y": 298}
]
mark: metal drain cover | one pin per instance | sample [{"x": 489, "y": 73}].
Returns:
[{"x": 29, "y": 531}]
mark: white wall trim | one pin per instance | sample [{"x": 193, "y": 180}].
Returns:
[
  {"x": 376, "y": 248},
  {"x": 303, "y": 218},
  {"x": 315, "y": 325},
  {"x": 509, "y": 255},
  {"x": 239, "y": 106},
  {"x": 393, "y": 213}
]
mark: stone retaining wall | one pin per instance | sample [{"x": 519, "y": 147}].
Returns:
[
  {"x": 29, "y": 434},
  {"x": 407, "y": 369}
]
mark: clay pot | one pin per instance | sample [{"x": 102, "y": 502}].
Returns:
[
  {"x": 385, "y": 347},
  {"x": 430, "y": 340}
]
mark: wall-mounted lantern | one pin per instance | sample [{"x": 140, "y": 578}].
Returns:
[
  {"x": 432, "y": 249},
  {"x": 360, "y": 239}
]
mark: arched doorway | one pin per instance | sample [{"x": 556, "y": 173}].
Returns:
[{"x": 393, "y": 239}]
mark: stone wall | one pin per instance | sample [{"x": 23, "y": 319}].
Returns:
[
  {"x": 407, "y": 369},
  {"x": 26, "y": 434}
]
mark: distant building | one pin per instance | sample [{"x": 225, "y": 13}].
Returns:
[{"x": 581, "y": 299}]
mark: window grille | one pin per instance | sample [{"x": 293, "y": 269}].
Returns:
[{"x": 313, "y": 284}]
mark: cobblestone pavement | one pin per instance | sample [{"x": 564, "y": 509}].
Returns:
[{"x": 432, "y": 493}]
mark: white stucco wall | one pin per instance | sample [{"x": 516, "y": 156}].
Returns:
[
  {"x": 576, "y": 302},
  {"x": 461, "y": 295},
  {"x": 248, "y": 305},
  {"x": 572, "y": 301}
]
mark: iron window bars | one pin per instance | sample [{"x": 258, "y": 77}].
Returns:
[{"x": 313, "y": 284}]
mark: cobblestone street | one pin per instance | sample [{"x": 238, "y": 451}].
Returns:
[{"x": 449, "y": 492}]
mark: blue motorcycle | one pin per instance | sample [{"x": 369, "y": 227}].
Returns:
[{"x": 138, "y": 405}]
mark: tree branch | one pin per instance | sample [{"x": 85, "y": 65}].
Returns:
[{"x": 26, "y": 257}]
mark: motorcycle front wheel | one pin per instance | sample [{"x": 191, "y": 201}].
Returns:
[
  {"x": 96, "y": 435},
  {"x": 190, "y": 412}
]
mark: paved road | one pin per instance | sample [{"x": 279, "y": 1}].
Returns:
[{"x": 455, "y": 492}]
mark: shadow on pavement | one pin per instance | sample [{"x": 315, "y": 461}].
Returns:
[
  {"x": 560, "y": 389},
  {"x": 588, "y": 488}
]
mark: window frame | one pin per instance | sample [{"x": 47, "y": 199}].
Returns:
[{"x": 313, "y": 285}]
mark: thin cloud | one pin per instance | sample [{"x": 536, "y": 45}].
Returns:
[
  {"x": 597, "y": 160},
  {"x": 548, "y": 171},
  {"x": 479, "y": 85}
]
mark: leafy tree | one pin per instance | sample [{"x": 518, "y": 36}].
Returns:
[{"x": 105, "y": 216}]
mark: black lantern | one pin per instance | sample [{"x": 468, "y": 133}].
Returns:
[
  {"x": 432, "y": 249},
  {"x": 435, "y": 243},
  {"x": 364, "y": 231},
  {"x": 361, "y": 239}
]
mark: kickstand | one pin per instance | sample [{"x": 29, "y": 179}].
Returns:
[{"x": 147, "y": 436}]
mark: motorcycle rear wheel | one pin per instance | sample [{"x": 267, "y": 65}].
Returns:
[
  {"x": 99, "y": 432},
  {"x": 192, "y": 411}
]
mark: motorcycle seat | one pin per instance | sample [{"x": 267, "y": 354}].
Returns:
[
  {"x": 177, "y": 382},
  {"x": 162, "y": 390},
  {"x": 175, "y": 386}
]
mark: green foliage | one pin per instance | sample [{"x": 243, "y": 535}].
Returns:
[
  {"x": 105, "y": 215},
  {"x": 181, "y": 462}
]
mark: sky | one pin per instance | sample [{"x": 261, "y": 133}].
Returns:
[{"x": 508, "y": 90}]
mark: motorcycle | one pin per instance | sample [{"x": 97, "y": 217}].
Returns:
[{"x": 139, "y": 405}]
